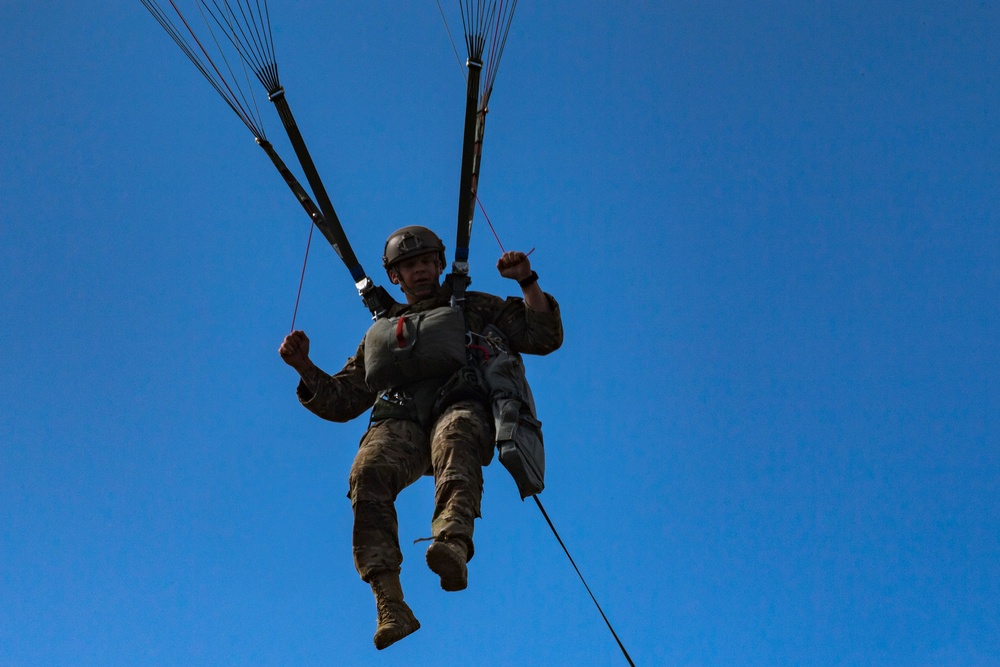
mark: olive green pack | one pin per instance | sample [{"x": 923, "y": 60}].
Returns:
[
  {"x": 519, "y": 433},
  {"x": 413, "y": 347}
]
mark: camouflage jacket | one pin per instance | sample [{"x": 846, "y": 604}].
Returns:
[{"x": 346, "y": 395}]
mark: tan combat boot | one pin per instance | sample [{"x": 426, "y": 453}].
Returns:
[
  {"x": 395, "y": 619},
  {"x": 447, "y": 558}
]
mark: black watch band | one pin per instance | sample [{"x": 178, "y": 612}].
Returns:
[{"x": 529, "y": 281}]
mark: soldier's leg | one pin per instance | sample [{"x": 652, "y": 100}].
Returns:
[
  {"x": 458, "y": 441},
  {"x": 393, "y": 454}
]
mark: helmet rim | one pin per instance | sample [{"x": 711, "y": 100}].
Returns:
[{"x": 410, "y": 241}]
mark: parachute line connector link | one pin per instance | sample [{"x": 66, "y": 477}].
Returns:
[
  {"x": 471, "y": 62},
  {"x": 280, "y": 92}
]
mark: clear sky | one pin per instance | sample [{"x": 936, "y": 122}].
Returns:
[{"x": 772, "y": 431}]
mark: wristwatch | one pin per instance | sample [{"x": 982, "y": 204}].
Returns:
[{"x": 529, "y": 281}]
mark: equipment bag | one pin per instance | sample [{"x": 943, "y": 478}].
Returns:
[
  {"x": 413, "y": 347},
  {"x": 519, "y": 433}
]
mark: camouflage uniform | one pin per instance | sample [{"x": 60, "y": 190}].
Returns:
[{"x": 394, "y": 453}]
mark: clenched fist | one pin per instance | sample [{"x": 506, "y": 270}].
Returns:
[
  {"x": 514, "y": 265},
  {"x": 294, "y": 350}
]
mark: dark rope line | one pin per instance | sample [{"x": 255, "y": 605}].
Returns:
[
  {"x": 465, "y": 28},
  {"x": 270, "y": 35},
  {"x": 264, "y": 55},
  {"x": 237, "y": 35},
  {"x": 222, "y": 54},
  {"x": 252, "y": 122},
  {"x": 486, "y": 26},
  {"x": 606, "y": 621},
  {"x": 485, "y": 17},
  {"x": 496, "y": 52},
  {"x": 472, "y": 22},
  {"x": 207, "y": 57},
  {"x": 490, "y": 63},
  {"x": 254, "y": 22},
  {"x": 249, "y": 48},
  {"x": 250, "y": 87},
  {"x": 494, "y": 10},
  {"x": 451, "y": 39},
  {"x": 226, "y": 21}
]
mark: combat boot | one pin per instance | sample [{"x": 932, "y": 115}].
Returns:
[
  {"x": 395, "y": 619},
  {"x": 446, "y": 558}
]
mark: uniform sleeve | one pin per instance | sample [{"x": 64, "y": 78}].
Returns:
[
  {"x": 530, "y": 331},
  {"x": 340, "y": 397}
]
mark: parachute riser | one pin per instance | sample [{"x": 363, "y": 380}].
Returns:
[
  {"x": 309, "y": 168},
  {"x": 375, "y": 298},
  {"x": 305, "y": 160},
  {"x": 471, "y": 145},
  {"x": 301, "y": 194}
]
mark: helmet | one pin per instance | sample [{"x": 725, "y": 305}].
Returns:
[{"x": 410, "y": 242}]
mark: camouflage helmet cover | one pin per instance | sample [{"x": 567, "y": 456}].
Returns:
[{"x": 410, "y": 242}]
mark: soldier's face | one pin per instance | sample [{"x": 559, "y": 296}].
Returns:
[{"x": 418, "y": 276}]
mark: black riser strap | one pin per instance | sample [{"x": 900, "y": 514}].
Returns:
[{"x": 345, "y": 251}]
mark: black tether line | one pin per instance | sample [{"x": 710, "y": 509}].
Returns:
[{"x": 556, "y": 533}]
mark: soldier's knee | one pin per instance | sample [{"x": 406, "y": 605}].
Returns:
[{"x": 370, "y": 481}]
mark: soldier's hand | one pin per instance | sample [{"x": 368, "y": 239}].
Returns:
[
  {"x": 294, "y": 349},
  {"x": 514, "y": 265}
]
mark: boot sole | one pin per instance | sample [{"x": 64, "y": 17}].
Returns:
[
  {"x": 394, "y": 634},
  {"x": 449, "y": 566}
]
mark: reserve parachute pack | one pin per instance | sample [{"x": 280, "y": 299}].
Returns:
[
  {"x": 413, "y": 347},
  {"x": 419, "y": 365}
]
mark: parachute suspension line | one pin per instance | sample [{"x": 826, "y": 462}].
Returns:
[
  {"x": 573, "y": 563},
  {"x": 487, "y": 25},
  {"x": 251, "y": 36},
  {"x": 222, "y": 53},
  {"x": 302, "y": 277},
  {"x": 503, "y": 20},
  {"x": 221, "y": 78},
  {"x": 473, "y": 19},
  {"x": 212, "y": 73},
  {"x": 451, "y": 39}
]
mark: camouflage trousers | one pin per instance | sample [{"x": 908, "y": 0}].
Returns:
[{"x": 395, "y": 453}]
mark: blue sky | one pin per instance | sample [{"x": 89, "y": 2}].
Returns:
[{"x": 772, "y": 431}]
